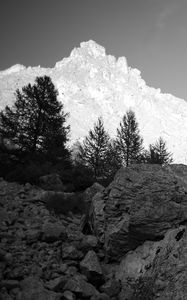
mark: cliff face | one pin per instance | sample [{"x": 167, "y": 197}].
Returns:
[{"x": 93, "y": 84}]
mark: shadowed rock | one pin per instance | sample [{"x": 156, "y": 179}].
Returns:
[{"x": 90, "y": 267}]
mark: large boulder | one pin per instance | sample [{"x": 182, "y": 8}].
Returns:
[
  {"x": 142, "y": 203},
  {"x": 136, "y": 263},
  {"x": 167, "y": 276}
]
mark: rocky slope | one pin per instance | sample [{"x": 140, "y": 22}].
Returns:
[
  {"x": 93, "y": 84},
  {"x": 134, "y": 247},
  {"x": 47, "y": 257}
]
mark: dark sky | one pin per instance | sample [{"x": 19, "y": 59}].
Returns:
[{"x": 152, "y": 34}]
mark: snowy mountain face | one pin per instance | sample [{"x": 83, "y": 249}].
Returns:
[{"x": 92, "y": 84}]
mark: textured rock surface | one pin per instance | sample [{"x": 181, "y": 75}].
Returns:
[
  {"x": 46, "y": 256},
  {"x": 136, "y": 263},
  {"x": 90, "y": 267},
  {"x": 142, "y": 203},
  {"x": 40, "y": 253},
  {"x": 167, "y": 276},
  {"x": 93, "y": 84}
]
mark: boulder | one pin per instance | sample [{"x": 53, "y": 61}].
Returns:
[
  {"x": 90, "y": 267},
  {"x": 142, "y": 203},
  {"x": 167, "y": 276},
  {"x": 80, "y": 287},
  {"x": 111, "y": 288},
  {"x": 136, "y": 263}
]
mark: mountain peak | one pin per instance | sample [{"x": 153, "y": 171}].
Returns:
[
  {"x": 92, "y": 83},
  {"x": 93, "y": 48}
]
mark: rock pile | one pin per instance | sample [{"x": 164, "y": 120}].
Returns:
[
  {"x": 44, "y": 256},
  {"x": 132, "y": 245}
]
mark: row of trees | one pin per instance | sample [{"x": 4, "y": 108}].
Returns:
[
  {"x": 36, "y": 126},
  {"x": 104, "y": 156}
]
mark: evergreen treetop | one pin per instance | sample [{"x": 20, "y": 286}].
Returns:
[{"x": 129, "y": 141}]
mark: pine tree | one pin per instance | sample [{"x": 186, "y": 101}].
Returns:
[
  {"x": 36, "y": 121},
  {"x": 129, "y": 141},
  {"x": 158, "y": 153},
  {"x": 93, "y": 151}
]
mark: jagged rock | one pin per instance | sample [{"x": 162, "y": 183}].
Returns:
[
  {"x": 53, "y": 232},
  {"x": 97, "y": 216},
  {"x": 88, "y": 195},
  {"x": 142, "y": 203},
  {"x": 136, "y": 263},
  {"x": 167, "y": 276},
  {"x": 90, "y": 267},
  {"x": 32, "y": 289},
  {"x": 80, "y": 287},
  {"x": 92, "y": 191}
]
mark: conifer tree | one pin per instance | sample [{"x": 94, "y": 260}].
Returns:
[
  {"x": 93, "y": 151},
  {"x": 128, "y": 141},
  {"x": 36, "y": 121},
  {"x": 158, "y": 153}
]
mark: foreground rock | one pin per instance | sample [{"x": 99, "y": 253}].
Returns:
[
  {"x": 41, "y": 253},
  {"x": 47, "y": 256},
  {"x": 167, "y": 275},
  {"x": 90, "y": 266},
  {"x": 142, "y": 203}
]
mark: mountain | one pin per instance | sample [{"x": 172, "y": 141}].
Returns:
[{"x": 92, "y": 84}]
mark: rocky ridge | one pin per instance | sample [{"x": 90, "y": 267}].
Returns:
[{"x": 92, "y": 83}]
